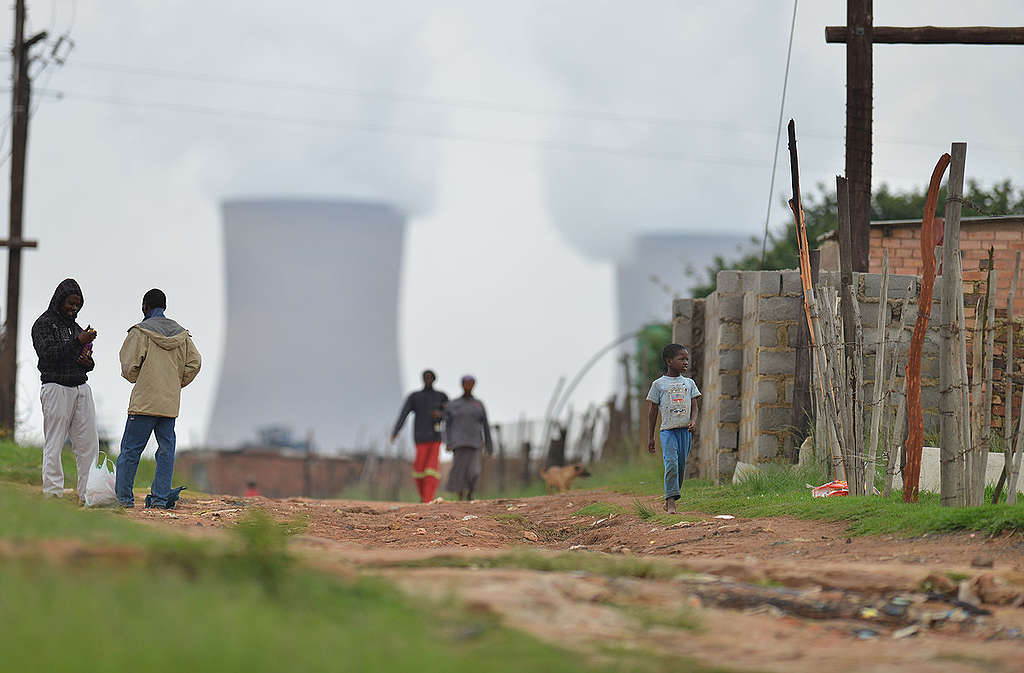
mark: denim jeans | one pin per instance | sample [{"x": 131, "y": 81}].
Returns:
[
  {"x": 675, "y": 449},
  {"x": 136, "y": 435}
]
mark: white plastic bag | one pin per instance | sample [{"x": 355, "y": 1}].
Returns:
[{"x": 99, "y": 489}]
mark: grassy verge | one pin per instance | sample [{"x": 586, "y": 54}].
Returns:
[
  {"x": 782, "y": 491},
  {"x": 242, "y": 603},
  {"x": 23, "y": 464}
]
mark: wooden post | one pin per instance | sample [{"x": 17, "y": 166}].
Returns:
[
  {"x": 964, "y": 416},
  {"x": 977, "y": 354},
  {"x": 981, "y": 457},
  {"x": 851, "y": 365},
  {"x": 950, "y": 399},
  {"x": 21, "y": 97},
  {"x": 879, "y": 386},
  {"x": 1008, "y": 375},
  {"x": 895, "y": 432},
  {"x": 915, "y": 418},
  {"x": 859, "y": 37}
]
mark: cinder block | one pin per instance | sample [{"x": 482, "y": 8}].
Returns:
[
  {"x": 728, "y": 282},
  {"x": 730, "y": 335},
  {"x": 774, "y": 419},
  {"x": 730, "y": 308},
  {"x": 793, "y": 332},
  {"x": 729, "y": 384},
  {"x": 728, "y": 411},
  {"x": 779, "y": 308},
  {"x": 682, "y": 331},
  {"x": 770, "y": 282},
  {"x": 791, "y": 283},
  {"x": 776, "y": 362},
  {"x": 750, "y": 281},
  {"x": 682, "y": 308},
  {"x": 767, "y": 392},
  {"x": 728, "y": 439},
  {"x": 730, "y": 359},
  {"x": 767, "y": 446},
  {"x": 768, "y": 336},
  {"x": 789, "y": 392}
]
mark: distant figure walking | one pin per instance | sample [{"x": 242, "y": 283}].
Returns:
[
  {"x": 466, "y": 433},
  {"x": 158, "y": 356},
  {"x": 427, "y": 405},
  {"x": 65, "y": 359}
]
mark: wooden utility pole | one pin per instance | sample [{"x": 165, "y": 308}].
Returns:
[
  {"x": 20, "y": 101},
  {"x": 858, "y": 127},
  {"x": 859, "y": 34}
]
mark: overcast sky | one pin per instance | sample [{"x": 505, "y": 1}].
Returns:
[{"x": 526, "y": 139}]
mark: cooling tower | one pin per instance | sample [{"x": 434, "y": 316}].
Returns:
[
  {"x": 662, "y": 266},
  {"x": 311, "y": 337}
]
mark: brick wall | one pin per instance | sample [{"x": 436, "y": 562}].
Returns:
[{"x": 1005, "y": 235}]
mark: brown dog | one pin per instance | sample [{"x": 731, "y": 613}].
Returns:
[{"x": 561, "y": 478}]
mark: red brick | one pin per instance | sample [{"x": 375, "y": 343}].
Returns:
[{"x": 1008, "y": 235}]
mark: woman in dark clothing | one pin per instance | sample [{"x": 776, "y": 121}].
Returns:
[{"x": 466, "y": 433}]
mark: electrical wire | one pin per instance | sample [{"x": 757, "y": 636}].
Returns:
[
  {"x": 778, "y": 136},
  {"x": 418, "y": 99},
  {"x": 253, "y": 115}
]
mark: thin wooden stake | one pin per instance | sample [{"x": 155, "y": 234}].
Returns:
[
  {"x": 981, "y": 459},
  {"x": 964, "y": 414},
  {"x": 876, "y": 398},
  {"x": 977, "y": 353},
  {"x": 895, "y": 435},
  {"x": 951, "y": 409},
  {"x": 1008, "y": 374}
]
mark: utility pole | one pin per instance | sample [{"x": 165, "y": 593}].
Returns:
[
  {"x": 20, "y": 101},
  {"x": 859, "y": 34},
  {"x": 858, "y": 127}
]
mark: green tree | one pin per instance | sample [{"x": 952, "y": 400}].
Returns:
[{"x": 820, "y": 210}]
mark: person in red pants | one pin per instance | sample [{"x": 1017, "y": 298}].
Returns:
[{"x": 427, "y": 406}]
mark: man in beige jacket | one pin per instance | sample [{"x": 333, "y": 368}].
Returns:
[{"x": 158, "y": 356}]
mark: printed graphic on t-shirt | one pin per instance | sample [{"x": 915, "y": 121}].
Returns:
[{"x": 674, "y": 397}]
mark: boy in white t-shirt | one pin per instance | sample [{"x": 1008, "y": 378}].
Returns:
[{"x": 675, "y": 396}]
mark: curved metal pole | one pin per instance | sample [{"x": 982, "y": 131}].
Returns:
[{"x": 586, "y": 367}]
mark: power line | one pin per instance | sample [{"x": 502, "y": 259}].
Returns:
[
  {"x": 419, "y": 99},
  {"x": 498, "y": 107},
  {"x": 254, "y": 115},
  {"x": 778, "y": 136}
]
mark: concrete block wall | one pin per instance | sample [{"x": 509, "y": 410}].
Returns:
[{"x": 747, "y": 334}]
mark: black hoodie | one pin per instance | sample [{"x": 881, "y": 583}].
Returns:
[{"x": 55, "y": 337}]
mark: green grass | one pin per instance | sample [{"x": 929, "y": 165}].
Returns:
[
  {"x": 596, "y": 564},
  {"x": 675, "y": 619},
  {"x": 782, "y": 491},
  {"x": 642, "y": 511},
  {"x": 23, "y": 464},
  {"x": 240, "y": 603}
]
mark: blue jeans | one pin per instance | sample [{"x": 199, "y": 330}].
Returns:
[
  {"x": 675, "y": 449},
  {"x": 136, "y": 435}
]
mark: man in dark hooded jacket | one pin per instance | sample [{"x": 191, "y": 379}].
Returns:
[{"x": 65, "y": 359}]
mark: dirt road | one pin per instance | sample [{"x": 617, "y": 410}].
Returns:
[{"x": 774, "y": 594}]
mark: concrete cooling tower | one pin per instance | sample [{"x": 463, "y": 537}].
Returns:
[
  {"x": 311, "y": 340},
  {"x": 655, "y": 273}
]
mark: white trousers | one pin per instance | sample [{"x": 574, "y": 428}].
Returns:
[{"x": 68, "y": 410}]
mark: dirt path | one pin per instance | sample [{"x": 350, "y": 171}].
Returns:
[{"x": 775, "y": 594}]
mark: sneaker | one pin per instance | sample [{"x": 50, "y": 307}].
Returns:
[{"x": 153, "y": 503}]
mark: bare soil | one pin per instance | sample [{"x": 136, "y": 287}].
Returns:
[{"x": 779, "y": 594}]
